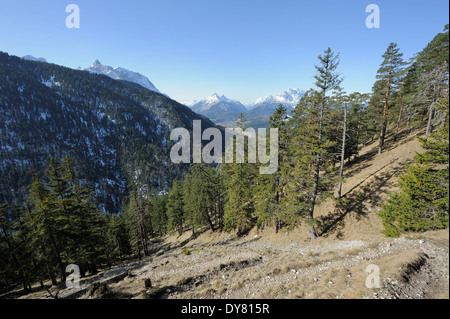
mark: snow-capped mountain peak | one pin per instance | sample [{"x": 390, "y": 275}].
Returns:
[
  {"x": 264, "y": 99},
  {"x": 218, "y": 107},
  {"x": 96, "y": 64},
  {"x": 32, "y": 58},
  {"x": 119, "y": 73},
  {"x": 288, "y": 98},
  {"x": 216, "y": 98}
]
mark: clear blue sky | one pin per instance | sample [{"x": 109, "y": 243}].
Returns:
[{"x": 243, "y": 49}]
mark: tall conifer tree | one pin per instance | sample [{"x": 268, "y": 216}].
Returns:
[{"x": 389, "y": 76}]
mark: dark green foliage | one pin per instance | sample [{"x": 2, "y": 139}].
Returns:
[
  {"x": 117, "y": 239},
  {"x": 357, "y": 123},
  {"x": 314, "y": 141},
  {"x": 425, "y": 82},
  {"x": 239, "y": 179},
  {"x": 204, "y": 197},
  {"x": 389, "y": 77},
  {"x": 271, "y": 188},
  {"x": 14, "y": 254},
  {"x": 158, "y": 213},
  {"x": 138, "y": 224},
  {"x": 175, "y": 207},
  {"x": 64, "y": 226},
  {"x": 310, "y": 174},
  {"x": 423, "y": 201},
  {"x": 436, "y": 53},
  {"x": 422, "y": 204}
]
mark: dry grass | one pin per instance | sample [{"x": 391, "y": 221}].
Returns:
[
  {"x": 439, "y": 236},
  {"x": 342, "y": 283},
  {"x": 368, "y": 180}
]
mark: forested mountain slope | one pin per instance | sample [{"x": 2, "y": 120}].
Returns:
[{"x": 117, "y": 133}]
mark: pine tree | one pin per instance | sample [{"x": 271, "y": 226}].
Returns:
[
  {"x": 326, "y": 80},
  {"x": 217, "y": 195},
  {"x": 117, "y": 238},
  {"x": 371, "y": 119},
  {"x": 357, "y": 124},
  {"x": 423, "y": 201},
  {"x": 389, "y": 76},
  {"x": 175, "y": 207},
  {"x": 271, "y": 188},
  {"x": 158, "y": 213},
  {"x": 190, "y": 201},
  {"x": 343, "y": 146},
  {"x": 238, "y": 180},
  {"x": 406, "y": 97},
  {"x": 65, "y": 226},
  {"x": 310, "y": 173},
  {"x": 206, "y": 195},
  {"x": 138, "y": 224},
  {"x": 83, "y": 223},
  {"x": 16, "y": 257},
  {"x": 432, "y": 85},
  {"x": 46, "y": 227}
]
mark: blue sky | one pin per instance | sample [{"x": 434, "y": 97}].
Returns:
[{"x": 244, "y": 49}]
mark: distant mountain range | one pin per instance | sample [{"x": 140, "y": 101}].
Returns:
[
  {"x": 288, "y": 98},
  {"x": 219, "y": 109},
  {"x": 224, "y": 111}
]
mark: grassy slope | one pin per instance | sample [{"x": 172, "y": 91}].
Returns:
[{"x": 368, "y": 180}]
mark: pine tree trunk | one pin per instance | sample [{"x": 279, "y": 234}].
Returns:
[
  {"x": 334, "y": 158},
  {"x": 430, "y": 121},
  {"x": 52, "y": 277},
  {"x": 40, "y": 274},
  {"x": 277, "y": 225},
  {"x": 208, "y": 217},
  {"x": 49, "y": 268},
  {"x": 315, "y": 191},
  {"x": 341, "y": 168},
  {"x": 312, "y": 230},
  {"x": 398, "y": 123},
  {"x": 385, "y": 109},
  {"x": 16, "y": 263},
  {"x": 358, "y": 129},
  {"x": 382, "y": 136}
]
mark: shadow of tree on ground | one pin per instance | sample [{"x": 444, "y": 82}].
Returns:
[{"x": 357, "y": 202}]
